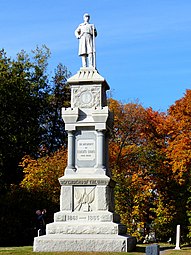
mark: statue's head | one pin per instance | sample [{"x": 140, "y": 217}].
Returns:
[{"x": 86, "y": 17}]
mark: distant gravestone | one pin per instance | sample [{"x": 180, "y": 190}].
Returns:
[{"x": 153, "y": 249}]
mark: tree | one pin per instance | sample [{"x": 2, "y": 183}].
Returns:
[
  {"x": 150, "y": 160},
  {"x": 137, "y": 160},
  {"x": 179, "y": 157},
  {"x": 55, "y": 135},
  {"x": 42, "y": 174},
  {"x": 22, "y": 94},
  {"x": 30, "y": 120},
  {"x": 179, "y": 133}
]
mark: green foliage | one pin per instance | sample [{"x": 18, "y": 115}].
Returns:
[
  {"x": 55, "y": 135},
  {"x": 30, "y": 110}
]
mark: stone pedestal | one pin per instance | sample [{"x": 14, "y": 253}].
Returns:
[{"x": 86, "y": 220}]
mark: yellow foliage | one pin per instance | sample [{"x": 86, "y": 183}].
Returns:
[{"x": 42, "y": 174}]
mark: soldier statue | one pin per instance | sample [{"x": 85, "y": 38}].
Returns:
[{"x": 86, "y": 34}]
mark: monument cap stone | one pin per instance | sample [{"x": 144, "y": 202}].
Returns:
[{"x": 87, "y": 75}]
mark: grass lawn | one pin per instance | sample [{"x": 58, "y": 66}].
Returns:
[{"x": 27, "y": 250}]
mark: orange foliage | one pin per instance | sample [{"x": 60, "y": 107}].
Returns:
[
  {"x": 42, "y": 174},
  {"x": 179, "y": 138},
  {"x": 137, "y": 152}
]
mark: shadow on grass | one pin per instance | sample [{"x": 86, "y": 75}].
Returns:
[
  {"x": 140, "y": 249},
  {"x": 166, "y": 248}
]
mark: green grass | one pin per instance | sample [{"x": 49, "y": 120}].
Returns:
[
  {"x": 183, "y": 251},
  {"x": 140, "y": 250}
]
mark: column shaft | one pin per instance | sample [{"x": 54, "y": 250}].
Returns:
[
  {"x": 100, "y": 149},
  {"x": 71, "y": 163}
]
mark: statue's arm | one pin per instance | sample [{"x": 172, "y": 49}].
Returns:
[{"x": 78, "y": 32}]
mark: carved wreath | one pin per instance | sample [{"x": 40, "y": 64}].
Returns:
[{"x": 95, "y": 97}]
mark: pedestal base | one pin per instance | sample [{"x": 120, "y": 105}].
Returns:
[{"x": 86, "y": 243}]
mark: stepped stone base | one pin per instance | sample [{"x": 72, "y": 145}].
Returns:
[
  {"x": 85, "y": 228},
  {"x": 83, "y": 242}
]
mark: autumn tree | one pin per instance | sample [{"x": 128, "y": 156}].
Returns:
[
  {"x": 137, "y": 161},
  {"x": 42, "y": 174},
  {"x": 179, "y": 134},
  {"x": 178, "y": 153},
  {"x": 150, "y": 160}
]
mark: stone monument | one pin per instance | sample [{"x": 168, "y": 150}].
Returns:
[
  {"x": 153, "y": 249},
  {"x": 86, "y": 220}
]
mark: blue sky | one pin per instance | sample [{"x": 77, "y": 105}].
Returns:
[{"x": 143, "y": 46}]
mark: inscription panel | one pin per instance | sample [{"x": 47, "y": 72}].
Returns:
[
  {"x": 86, "y": 149},
  {"x": 85, "y": 144},
  {"x": 86, "y": 216},
  {"x": 83, "y": 182},
  {"x": 83, "y": 218}
]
